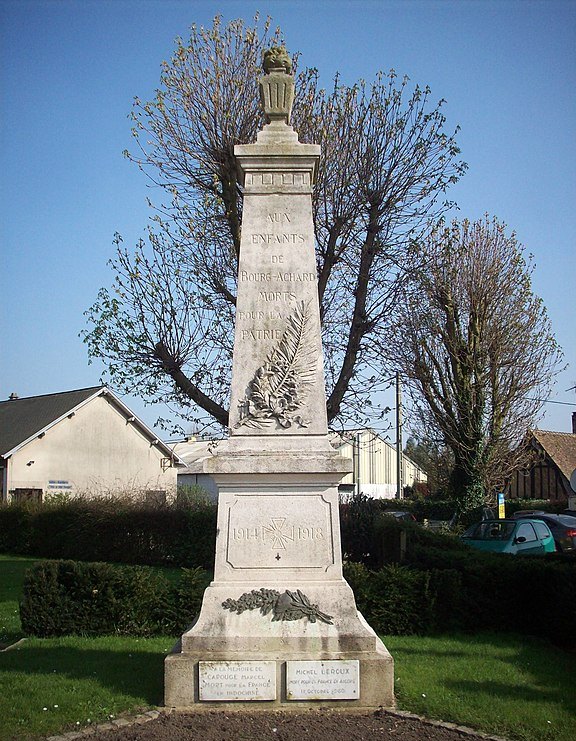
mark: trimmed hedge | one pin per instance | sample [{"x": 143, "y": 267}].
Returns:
[
  {"x": 533, "y": 596},
  {"x": 528, "y": 594},
  {"x": 406, "y": 579},
  {"x": 90, "y": 599},
  {"x": 443, "y": 590},
  {"x": 111, "y": 531},
  {"x": 121, "y": 531},
  {"x": 411, "y": 580}
]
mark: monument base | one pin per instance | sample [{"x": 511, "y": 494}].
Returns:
[
  {"x": 279, "y": 624},
  {"x": 333, "y": 659}
]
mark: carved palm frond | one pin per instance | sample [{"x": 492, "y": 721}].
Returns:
[{"x": 281, "y": 385}]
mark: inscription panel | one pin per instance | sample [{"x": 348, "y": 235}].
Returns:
[
  {"x": 296, "y": 179},
  {"x": 323, "y": 680},
  {"x": 277, "y": 378},
  {"x": 267, "y": 531},
  {"x": 236, "y": 680}
]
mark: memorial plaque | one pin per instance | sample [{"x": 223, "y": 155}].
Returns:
[
  {"x": 322, "y": 680},
  {"x": 236, "y": 680}
]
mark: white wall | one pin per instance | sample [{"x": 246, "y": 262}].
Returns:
[
  {"x": 95, "y": 451},
  {"x": 375, "y": 467}
]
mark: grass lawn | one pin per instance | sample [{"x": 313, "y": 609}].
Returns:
[
  {"x": 12, "y": 570},
  {"x": 509, "y": 685},
  {"x": 58, "y": 684},
  {"x": 513, "y": 686}
]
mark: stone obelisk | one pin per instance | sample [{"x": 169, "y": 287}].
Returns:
[{"x": 278, "y": 624}]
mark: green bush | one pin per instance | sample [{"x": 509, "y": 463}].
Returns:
[
  {"x": 357, "y": 517},
  {"x": 442, "y": 584},
  {"x": 358, "y": 577},
  {"x": 533, "y": 595},
  {"x": 513, "y": 505},
  {"x": 406, "y": 579},
  {"x": 469, "y": 593},
  {"x": 89, "y": 599},
  {"x": 400, "y": 600},
  {"x": 372, "y": 537},
  {"x": 112, "y": 531}
]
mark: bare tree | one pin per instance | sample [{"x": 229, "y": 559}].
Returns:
[
  {"x": 165, "y": 329},
  {"x": 433, "y": 457},
  {"x": 476, "y": 348}
]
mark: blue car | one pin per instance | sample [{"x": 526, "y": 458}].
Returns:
[{"x": 511, "y": 536}]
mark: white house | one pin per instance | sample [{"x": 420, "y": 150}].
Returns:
[
  {"x": 193, "y": 452},
  {"x": 375, "y": 467},
  {"x": 80, "y": 442}
]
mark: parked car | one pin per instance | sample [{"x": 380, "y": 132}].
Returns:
[
  {"x": 563, "y": 529},
  {"x": 511, "y": 536},
  {"x": 527, "y": 513},
  {"x": 401, "y": 515}
]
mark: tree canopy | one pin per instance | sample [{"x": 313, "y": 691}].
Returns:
[
  {"x": 476, "y": 347},
  {"x": 164, "y": 329}
]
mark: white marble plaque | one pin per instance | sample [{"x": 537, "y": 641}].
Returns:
[
  {"x": 236, "y": 680},
  {"x": 323, "y": 680}
]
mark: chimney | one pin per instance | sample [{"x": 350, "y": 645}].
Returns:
[
  {"x": 574, "y": 423},
  {"x": 14, "y": 395}
]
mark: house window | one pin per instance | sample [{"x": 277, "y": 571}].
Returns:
[{"x": 27, "y": 495}]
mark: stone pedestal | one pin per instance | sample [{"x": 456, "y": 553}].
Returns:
[
  {"x": 279, "y": 624},
  {"x": 278, "y": 530}
]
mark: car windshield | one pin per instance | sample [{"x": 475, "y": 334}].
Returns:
[{"x": 490, "y": 530}]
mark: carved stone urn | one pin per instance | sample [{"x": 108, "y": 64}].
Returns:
[{"x": 277, "y": 85}]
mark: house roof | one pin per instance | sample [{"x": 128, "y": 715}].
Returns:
[
  {"x": 560, "y": 448},
  {"x": 193, "y": 453},
  {"x": 21, "y": 420}
]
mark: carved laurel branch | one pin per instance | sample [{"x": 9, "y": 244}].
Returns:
[
  {"x": 286, "y": 606},
  {"x": 280, "y": 386}
]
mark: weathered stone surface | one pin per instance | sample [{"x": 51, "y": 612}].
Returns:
[
  {"x": 278, "y": 594},
  {"x": 277, "y": 378}
]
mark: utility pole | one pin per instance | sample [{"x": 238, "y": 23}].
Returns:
[
  {"x": 357, "y": 446},
  {"x": 399, "y": 487}
]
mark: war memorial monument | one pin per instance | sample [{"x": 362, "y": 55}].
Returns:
[{"x": 278, "y": 624}]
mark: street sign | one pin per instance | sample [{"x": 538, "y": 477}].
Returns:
[{"x": 501, "y": 507}]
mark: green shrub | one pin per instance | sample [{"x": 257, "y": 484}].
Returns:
[
  {"x": 112, "y": 531},
  {"x": 357, "y": 518},
  {"x": 402, "y": 601},
  {"x": 358, "y": 577},
  {"x": 184, "y": 599},
  {"x": 442, "y": 584},
  {"x": 397, "y": 601},
  {"x": 89, "y": 599},
  {"x": 372, "y": 537},
  {"x": 16, "y": 528},
  {"x": 513, "y": 505},
  {"x": 533, "y": 595}
]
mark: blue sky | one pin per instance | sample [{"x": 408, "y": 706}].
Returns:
[{"x": 69, "y": 72}]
